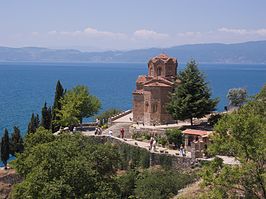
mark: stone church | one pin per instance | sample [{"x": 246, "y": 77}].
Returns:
[{"x": 153, "y": 90}]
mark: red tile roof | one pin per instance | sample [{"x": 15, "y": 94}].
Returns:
[
  {"x": 195, "y": 132},
  {"x": 141, "y": 79}
]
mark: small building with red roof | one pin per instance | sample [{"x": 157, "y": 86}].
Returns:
[{"x": 196, "y": 141}]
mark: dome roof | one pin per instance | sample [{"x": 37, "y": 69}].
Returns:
[{"x": 163, "y": 58}]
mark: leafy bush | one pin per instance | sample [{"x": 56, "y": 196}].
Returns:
[
  {"x": 68, "y": 166},
  {"x": 141, "y": 136},
  {"x": 127, "y": 183},
  {"x": 162, "y": 140},
  {"x": 160, "y": 184},
  {"x": 174, "y": 136}
]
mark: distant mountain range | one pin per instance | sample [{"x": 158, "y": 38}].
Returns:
[{"x": 248, "y": 52}]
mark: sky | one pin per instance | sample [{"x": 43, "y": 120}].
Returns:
[{"x": 98, "y": 25}]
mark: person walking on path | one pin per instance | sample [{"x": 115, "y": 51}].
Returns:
[
  {"x": 110, "y": 133},
  {"x": 154, "y": 145},
  {"x": 181, "y": 150},
  {"x": 122, "y": 133},
  {"x": 151, "y": 142}
]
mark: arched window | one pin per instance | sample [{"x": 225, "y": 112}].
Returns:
[{"x": 154, "y": 108}]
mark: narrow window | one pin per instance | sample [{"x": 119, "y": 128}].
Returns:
[
  {"x": 154, "y": 108},
  {"x": 159, "y": 71}
]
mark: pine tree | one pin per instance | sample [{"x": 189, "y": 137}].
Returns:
[
  {"x": 5, "y": 148},
  {"x": 191, "y": 98},
  {"x": 16, "y": 144},
  {"x": 46, "y": 117},
  {"x": 59, "y": 93}
]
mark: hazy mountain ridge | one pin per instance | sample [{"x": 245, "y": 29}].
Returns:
[{"x": 248, "y": 52}]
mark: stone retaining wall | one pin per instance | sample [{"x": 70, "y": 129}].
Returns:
[{"x": 162, "y": 159}]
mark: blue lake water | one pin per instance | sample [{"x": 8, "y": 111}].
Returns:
[{"x": 24, "y": 87}]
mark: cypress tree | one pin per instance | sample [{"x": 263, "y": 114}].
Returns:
[
  {"x": 191, "y": 98},
  {"x": 49, "y": 117},
  {"x": 34, "y": 123},
  {"x": 5, "y": 148},
  {"x": 46, "y": 117},
  {"x": 59, "y": 93},
  {"x": 16, "y": 144},
  {"x": 31, "y": 125}
]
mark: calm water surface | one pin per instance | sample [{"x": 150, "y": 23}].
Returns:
[{"x": 24, "y": 87}]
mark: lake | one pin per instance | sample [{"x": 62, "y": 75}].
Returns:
[{"x": 24, "y": 87}]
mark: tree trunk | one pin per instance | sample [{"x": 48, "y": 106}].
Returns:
[{"x": 191, "y": 121}]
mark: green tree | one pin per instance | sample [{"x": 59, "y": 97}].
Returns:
[
  {"x": 46, "y": 117},
  {"x": 127, "y": 183},
  {"x": 241, "y": 134},
  {"x": 33, "y": 124},
  {"x": 174, "y": 136},
  {"x": 76, "y": 105},
  {"x": 41, "y": 136},
  {"x": 68, "y": 166},
  {"x": 107, "y": 114},
  {"x": 160, "y": 184},
  {"x": 16, "y": 142},
  {"x": 59, "y": 93},
  {"x": 5, "y": 148},
  {"x": 36, "y": 121},
  {"x": 237, "y": 96},
  {"x": 192, "y": 98}
]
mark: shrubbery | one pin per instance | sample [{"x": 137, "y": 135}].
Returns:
[
  {"x": 174, "y": 136},
  {"x": 76, "y": 166}
]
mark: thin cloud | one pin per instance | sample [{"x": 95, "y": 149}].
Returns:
[
  {"x": 95, "y": 32},
  {"x": 184, "y": 34},
  {"x": 260, "y": 32},
  {"x": 89, "y": 32},
  {"x": 149, "y": 34},
  {"x": 232, "y": 30}
]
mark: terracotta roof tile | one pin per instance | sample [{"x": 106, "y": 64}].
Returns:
[
  {"x": 141, "y": 79},
  {"x": 196, "y": 132}
]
